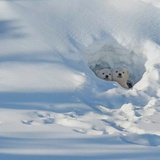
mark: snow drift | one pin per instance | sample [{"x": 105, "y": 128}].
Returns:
[{"x": 48, "y": 54}]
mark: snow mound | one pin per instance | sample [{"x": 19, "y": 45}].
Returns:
[{"x": 49, "y": 51}]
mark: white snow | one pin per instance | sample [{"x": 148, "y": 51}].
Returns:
[{"x": 52, "y": 105}]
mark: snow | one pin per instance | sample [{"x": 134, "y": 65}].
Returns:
[{"x": 52, "y": 105}]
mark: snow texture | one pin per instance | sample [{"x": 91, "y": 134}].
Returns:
[{"x": 53, "y": 106}]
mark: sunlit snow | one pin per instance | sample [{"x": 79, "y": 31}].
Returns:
[{"x": 53, "y": 106}]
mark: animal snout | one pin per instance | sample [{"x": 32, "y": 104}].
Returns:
[
  {"x": 107, "y": 76},
  {"x": 120, "y": 74}
]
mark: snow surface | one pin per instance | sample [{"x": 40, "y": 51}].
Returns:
[{"x": 52, "y": 105}]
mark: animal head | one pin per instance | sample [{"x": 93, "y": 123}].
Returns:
[
  {"x": 105, "y": 74},
  {"x": 121, "y": 76}
]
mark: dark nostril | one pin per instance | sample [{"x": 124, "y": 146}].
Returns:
[
  {"x": 120, "y": 74},
  {"x": 107, "y": 76}
]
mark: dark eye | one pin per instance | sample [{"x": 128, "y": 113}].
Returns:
[
  {"x": 116, "y": 71},
  {"x": 109, "y": 74},
  {"x": 103, "y": 73},
  {"x": 123, "y": 72}
]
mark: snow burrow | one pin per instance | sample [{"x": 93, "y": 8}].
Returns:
[{"x": 110, "y": 54}]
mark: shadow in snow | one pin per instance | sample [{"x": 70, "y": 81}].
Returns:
[
  {"x": 31, "y": 58},
  {"x": 142, "y": 139},
  {"x": 109, "y": 156},
  {"x": 74, "y": 149},
  {"x": 57, "y": 102},
  {"x": 11, "y": 29}
]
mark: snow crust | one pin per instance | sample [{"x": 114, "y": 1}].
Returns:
[{"x": 52, "y": 105}]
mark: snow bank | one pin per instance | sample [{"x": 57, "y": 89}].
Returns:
[{"x": 48, "y": 52}]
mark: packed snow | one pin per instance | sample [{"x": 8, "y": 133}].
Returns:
[{"x": 52, "y": 104}]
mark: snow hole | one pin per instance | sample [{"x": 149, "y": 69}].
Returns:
[{"x": 111, "y": 55}]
